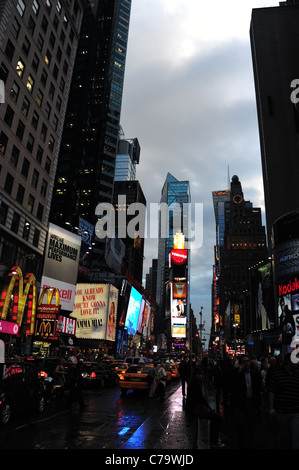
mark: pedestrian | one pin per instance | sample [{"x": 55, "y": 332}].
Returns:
[
  {"x": 59, "y": 379},
  {"x": 246, "y": 401},
  {"x": 153, "y": 377},
  {"x": 284, "y": 403},
  {"x": 197, "y": 408},
  {"x": 185, "y": 372},
  {"x": 161, "y": 379}
]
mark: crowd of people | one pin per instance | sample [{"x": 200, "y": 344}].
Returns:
[{"x": 248, "y": 392}]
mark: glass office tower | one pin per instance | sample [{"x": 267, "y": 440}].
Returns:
[
  {"x": 175, "y": 196},
  {"x": 86, "y": 167}
]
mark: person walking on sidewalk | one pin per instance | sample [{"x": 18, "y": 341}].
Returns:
[
  {"x": 284, "y": 403},
  {"x": 161, "y": 385},
  {"x": 246, "y": 401},
  {"x": 185, "y": 372},
  {"x": 198, "y": 408}
]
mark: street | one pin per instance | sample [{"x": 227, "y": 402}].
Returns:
[{"x": 108, "y": 421}]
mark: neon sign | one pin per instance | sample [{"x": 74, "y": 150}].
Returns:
[{"x": 16, "y": 294}]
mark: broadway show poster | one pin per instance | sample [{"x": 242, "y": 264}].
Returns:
[{"x": 95, "y": 310}]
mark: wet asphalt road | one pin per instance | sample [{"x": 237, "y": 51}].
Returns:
[{"x": 108, "y": 421}]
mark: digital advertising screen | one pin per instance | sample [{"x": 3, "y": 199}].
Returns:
[{"x": 133, "y": 311}]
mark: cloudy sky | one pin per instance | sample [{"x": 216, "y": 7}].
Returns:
[{"x": 189, "y": 99}]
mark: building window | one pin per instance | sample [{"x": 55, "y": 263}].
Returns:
[
  {"x": 9, "y": 50},
  {"x": 25, "y": 167},
  {"x": 8, "y": 183},
  {"x": 20, "y": 68},
  {"x": 48, "y": 110},
  {"x": 26, "y": 230},
  {"x": 44, "y": 187},
  {"x": 20, "y": 194},
  {"x": 31, "y": 25},
  {"x": 30, "y": 142},
  {"x": 30, "y": 205},
  {"x": 14, "y": 92},
  {"x": 51, "y": 143},
  {"x": 30, "y": 83},
  {"x": 35, "y": 177},
  {"x": 48, "y": 165},
  {"x": 3, "y": 142},
  {"x": 15, "y": 156},
  {"x": 51, "y": 91},
  {"x": 15, "y": 28},
  {"x": 36, "y": 237},
  {"x": 26, "y": 46},
  {"x": 44, "y": 77},
  {"x": 39, "y": 154},
  {"x": 52, "y": 40},
  {"x": 20, "y": 130},
  {"x": 25, "y": 106},
  {"x": 39, "y": 97},
  {"x": 3, "y": 72},
  {"x": 40, "y": 42},
  {"x": 40, "y": 211},
  {"x": 35, "y": 63},
  {"x": 35, "y": 7},
  {"x": 43, "y": 132},
  {"x": 21, "y": 7},
  {"x": 44, "y": 24},
  {"x": 34, "y": 120},
  {"x": 15, "y": 222},
  {"x": 9, "y": 115},
  {"x": 3, "y": 213}
]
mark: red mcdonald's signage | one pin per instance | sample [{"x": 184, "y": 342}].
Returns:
[{"x": 15, "y": 295}]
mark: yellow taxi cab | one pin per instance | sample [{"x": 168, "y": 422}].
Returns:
[
  {"x": 136, "y": 377},
  {"x": 120, "y": 368},
  {"x": 174, "y": 371}
]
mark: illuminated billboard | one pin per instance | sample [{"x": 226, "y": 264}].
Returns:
[
  {"x": 95, "y": 311},
  {"x": 178, "y": 313},
  {"x": 133, "y": 311},
  {"x": 178, "y": 257},
  {"x": 60, "y": 271}
]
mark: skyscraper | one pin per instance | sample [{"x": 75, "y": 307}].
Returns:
[
  {"x": 244, "y": 248},
  {"x": 274, "y": 37},
  {"x": 85, "y": 173},
  {"x": 175, "y": 198},
  {"x": 38, "y": 43}
]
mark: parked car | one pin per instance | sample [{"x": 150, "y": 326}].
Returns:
[
  {"x": 136, "y": 377},
  {"x": 21, "y": 391},
  {"x": 98, "y": 374}
]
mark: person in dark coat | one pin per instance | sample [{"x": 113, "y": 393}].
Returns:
[
  {"x": 246, "y": 399},
  {"x": 197, "y": 408},
  {"x": 185, "y": 373}
]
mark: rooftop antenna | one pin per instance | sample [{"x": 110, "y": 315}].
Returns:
[{"x": 228, "y": 178}]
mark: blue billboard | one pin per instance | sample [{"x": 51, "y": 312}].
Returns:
[{"x": 133, "y": 311}]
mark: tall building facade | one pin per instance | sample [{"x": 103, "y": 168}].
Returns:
[
  {"x": 86, "y": 167},
  {"x": 244, "y": 249},
  {"x": 130, "y": 192},
  {"x": 275, "y": 30},
  {"x": 172, "y": 267},
  {"x": 221, "y": 202},
  {"x": 274, "y": 37},
  {"x": 38, "y": 43},
  {"x": 128, "y": 156}
]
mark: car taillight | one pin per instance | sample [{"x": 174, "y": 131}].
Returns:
[
  {"x": 42, "y": 373},
  {"x": 93, "y": 375}
]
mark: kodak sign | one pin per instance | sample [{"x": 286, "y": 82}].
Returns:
[{"x": 291, "y": 286}]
